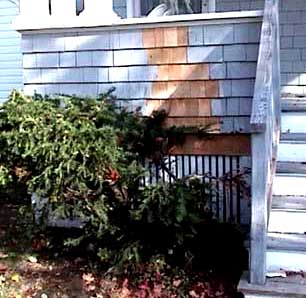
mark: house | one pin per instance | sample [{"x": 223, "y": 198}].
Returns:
[
  {"x": 10, "y": 50},
  {"x": 239, "y": 69}
]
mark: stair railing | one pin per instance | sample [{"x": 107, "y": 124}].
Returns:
[{"x": 265, "y": 124}]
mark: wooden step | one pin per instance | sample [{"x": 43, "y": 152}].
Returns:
[
  {"x": 289, "y": 202},
  {"x": 294, "y": 122},
  {"x": 294, "y": 104},
  {"x": 292, "y": 151},
  {"x": 291, "y": 167},
  {"x": 270, "y": 295},
  {"x": 286, "y": 260},
  {"x": 290, "y": 242},
  {"x": 272, "y": 288},
  {"x": 289, "y": 185},
  {"x": 297, "y": 137},
  {"x": 292, "y": 95},
  {"x": 287, "y": 221}
]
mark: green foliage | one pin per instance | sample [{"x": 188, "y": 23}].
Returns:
[
  {"x": 173, "y": 204},
  {"x": 84, "y": 156},
  {"x": 64, "y": 148}
]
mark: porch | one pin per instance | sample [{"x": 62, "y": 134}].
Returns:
[{"x": 208, "y": 69}]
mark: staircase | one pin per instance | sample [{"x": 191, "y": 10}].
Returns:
[
  {"x": 277, "y": 266},
  {"x": 286, "y": 238},
  {"x": 286, "y": 247}
]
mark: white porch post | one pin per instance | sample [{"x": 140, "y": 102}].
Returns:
[
  {"x": 63, "y": 8},
  {"x": 35, "y": 8},
  {"x": 99, "y": 8}
]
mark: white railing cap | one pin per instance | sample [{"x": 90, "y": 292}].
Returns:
[{"x": 24, "y": 24}]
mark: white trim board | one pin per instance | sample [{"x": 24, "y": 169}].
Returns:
[{"x": 50, "y": 24}]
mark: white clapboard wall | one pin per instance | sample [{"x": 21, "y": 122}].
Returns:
[
  {"x": 228, "y": 175},
  {"x": 10, "y": 50}
]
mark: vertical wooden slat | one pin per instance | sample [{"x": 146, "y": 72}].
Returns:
[
  {"x": 156, "y": 173},
  {"x": 181, "y": 167},
  {"x": 217, "y": 188},
  {"x": 234, "y": 188},
  {"x": 203, "y": 168},
  {"x": 232, "y": 216},
  {"x": 34, "y": 8},
  {"x": 133, "y": 8},
  {"x": 150, "y": 173},
  {"x": 224, "y": 189},
  {"x": 162, "y": 173},
  {"x": 176, "y": 167},
  {"x": 238, "y": 190},
  {"x": 189, "y": 165},
  {"x": 210, "y": 179},
  {"x": 220, "y": 172},
  {"x": 171, "y": 168},
  {"x": 196, "y": 165},
  {"x": 182, "y": 164},
  {"x": 225, "y": 199},
  {"x": 97, "y": 9},
  {"x": 212, "y": 163},
  {"x": 64, "y": 9}
]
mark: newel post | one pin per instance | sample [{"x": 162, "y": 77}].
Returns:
[{"x": 37, "y": 8}]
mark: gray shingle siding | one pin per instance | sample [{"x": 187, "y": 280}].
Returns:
[{"x": 293, "y": 39}]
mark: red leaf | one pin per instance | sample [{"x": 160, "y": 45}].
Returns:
[{"x": 3, "y": 268}]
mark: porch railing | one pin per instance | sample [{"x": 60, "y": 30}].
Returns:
[
  {"x": 265, "y": 123},
  {"x": 66, "y": 9},
  {"x": 91, "y": 7}
]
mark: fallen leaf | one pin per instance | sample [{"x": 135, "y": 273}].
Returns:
[
  {"x": 3, "y": 255},
  {"x": 125, "y": 293},
  {"x": 15, "y": 277},
  {"x": 88, "y": 278},
  {"x": 32, "y": 259},
  {"x": 193, "y": 294},
  {"x": 91, "y": 288},
  {"x": 177, "y": 283},
  {"x": 3, "y": 268}
]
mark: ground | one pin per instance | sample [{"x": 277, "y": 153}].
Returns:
[
  {"x": 70, "y": 279},
  {"x": 27, "y": 270}
]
